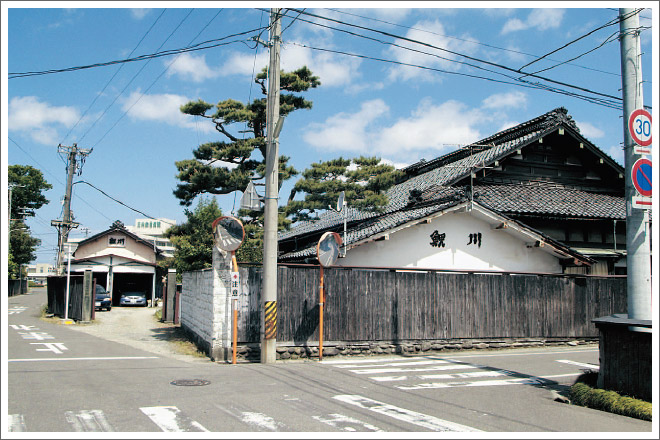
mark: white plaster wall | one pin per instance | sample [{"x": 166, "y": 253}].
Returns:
[
  {"x": 132, "y": 249},
  {"x": 411, "y": 247}
]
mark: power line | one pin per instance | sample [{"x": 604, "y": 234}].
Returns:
[
  {"x": 155, "y": 80},
  {"x": 609, "y": 23},
  {"x": 525, "y": 84},
  {"x": 112, "y": 78},
  {"x": 479, "y": 43},
  {"x": 133, "y": 78},
  {"x": 510, "y": 69},
  {"x": 196, "y": 47},
  {"x": 120, "y": 202}
]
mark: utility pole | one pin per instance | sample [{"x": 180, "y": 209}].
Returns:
[
  {"x": 637, "y": 220},
  {"x": 273, "y": 125},
  {"x": 65, "y": 225}
]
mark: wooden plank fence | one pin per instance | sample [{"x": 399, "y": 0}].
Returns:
[
  {"x": 56, "y": 288},
  {"x": 389, "y": 305}
]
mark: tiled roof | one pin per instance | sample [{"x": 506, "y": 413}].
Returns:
[{"x": 543, "y": 199}]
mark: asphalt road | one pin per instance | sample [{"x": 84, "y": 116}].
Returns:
[{"x": 63, "y": 380}]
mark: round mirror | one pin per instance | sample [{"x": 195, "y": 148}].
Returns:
[
  {"x": 327, "y": 251},
  {"x": 228, "y": 233}
]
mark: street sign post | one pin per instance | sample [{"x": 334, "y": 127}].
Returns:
[
  {"x": 228, "y": 235},
  {"x": 327, "y": 252}
]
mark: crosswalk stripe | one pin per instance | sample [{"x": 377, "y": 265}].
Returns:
[
  {"x": 441, "y": 376},
  {"x": 171, "y": 419},
  {"x": 260, "y": 420},
  {"x": 16, "y": 423},
  {"x": 370, "y": 361},
  {"x": 88, "y": 421},
  {"x": 413, "y": 417},
  {"x": 396, "y": 364},
  {"x": 481, "y": 383},
  {"x": 412, "y": 370},
  {"x": 346, "y": 423},
  {"x": 580, "y": 364}
]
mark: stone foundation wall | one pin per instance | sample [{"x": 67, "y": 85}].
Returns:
[{"x": 284, "y": 351}]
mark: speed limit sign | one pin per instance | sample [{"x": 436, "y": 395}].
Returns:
[{"x": 639, "y": 126}]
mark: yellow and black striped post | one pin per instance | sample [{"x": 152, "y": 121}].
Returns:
[{"x": 270, "y": 320}]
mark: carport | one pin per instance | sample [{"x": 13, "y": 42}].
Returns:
[{"x": 120, "y": 261}]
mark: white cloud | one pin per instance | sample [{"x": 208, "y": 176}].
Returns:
[
  {"x": 429, "y": 127},
  {"x": 139, "y": 13},
  {"x": 538, "y": 19},
  {"x": 504, "y": 100},
  {"x": 590, "y": 131},
  {"x": 161, "y": 108},
  {"x": 244, "y": 63},
  {"x": 347, "y": 131},
  {"x": 432, "y": 33},
  {"x": 191, "y": 67},
  {"x": 39, "y": 119}
]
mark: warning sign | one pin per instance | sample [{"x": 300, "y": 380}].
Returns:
[{"x": 235, "y": 285}]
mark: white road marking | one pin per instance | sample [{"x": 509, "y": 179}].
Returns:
[
  {"x": 441, "y": 376},
  {"x": 23, "y": 327},
  {"x": 415, "y": 418},
  {"x": 412, "y": 370},
  {"x": 55, "y": 347},
  {"x": 37, "y": 336},
  {"x": 171, "y": 419},
  {"x": 16, "y": 423},
  {"x": 346, "y": 423},
  {"x": 580, "y": 364},
  {"x": 260, "y": 420},
  {"x": 482, "y": 383},
  {"x": 371, "y": 360},
  {"x": 83, "y": 359},
  {"x": 396, "y": 364},
  {"x": 88, "y": 421}
]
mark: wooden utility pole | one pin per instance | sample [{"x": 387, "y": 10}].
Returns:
[{"x": 66, "y": 224}]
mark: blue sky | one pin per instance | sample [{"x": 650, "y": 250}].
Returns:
[{"x": 129, "y": 113}]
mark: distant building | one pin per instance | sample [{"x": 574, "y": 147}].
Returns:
[
  {"x": 37, "y": 273},
  {"x": 153, "y": 231}
]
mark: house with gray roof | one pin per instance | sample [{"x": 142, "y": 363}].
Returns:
[{"x": 537, "y": 197}]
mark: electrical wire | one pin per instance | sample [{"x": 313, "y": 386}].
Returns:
[
  {"x": 612, "y": 22},
  {"x": 510, "y": 69},
  {"x": 120, "y": 202},
  {"x": 196, "y": 47},
  {"x": 463, "y": 40},
  {"x": 135, "y": 76},
  {"x": 113, "y": 77},
  {"x": 154, "y": 82}
]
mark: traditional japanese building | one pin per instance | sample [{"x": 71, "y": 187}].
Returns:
[{"x": 538, "y": 197}]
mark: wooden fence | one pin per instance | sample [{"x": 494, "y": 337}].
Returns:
[
  {"x": 389, "y": 305},
  {"x": 56, "y": 287}
]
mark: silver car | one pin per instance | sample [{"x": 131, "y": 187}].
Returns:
[{"x": 133, "y": 299}]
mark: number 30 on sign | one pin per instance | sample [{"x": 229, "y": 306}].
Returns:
[{"x": 639, "y": 126}]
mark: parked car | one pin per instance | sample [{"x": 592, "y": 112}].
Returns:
[
  {"x": 133, "y": 299},
  {"x": 103, "y": 299}
]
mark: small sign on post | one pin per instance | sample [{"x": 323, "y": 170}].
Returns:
[
  {"x": 235, "y": 285},
  {"x": 639, "y": 126},
  {"x": 641, "y": 178}
]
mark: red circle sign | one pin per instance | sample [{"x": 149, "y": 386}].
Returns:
[
  {"x": 639, "y": 126},
  {"x": 641, "y": 177}
]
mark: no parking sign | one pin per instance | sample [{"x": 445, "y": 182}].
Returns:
[{"x": 641, "y": 177}]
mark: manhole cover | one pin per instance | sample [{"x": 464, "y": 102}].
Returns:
[{"x": 190, "y": 382}]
